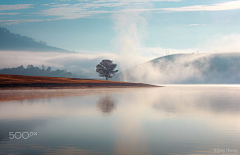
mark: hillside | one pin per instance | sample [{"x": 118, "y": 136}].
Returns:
[
  {"x": 218, "y": 68},
  {"x": 11, "y": 41}
]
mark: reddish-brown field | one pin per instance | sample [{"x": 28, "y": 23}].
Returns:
[{"x": 28, "y": 82}]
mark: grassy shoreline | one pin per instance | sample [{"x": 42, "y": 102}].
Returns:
[{"x": 38, "y": 82}]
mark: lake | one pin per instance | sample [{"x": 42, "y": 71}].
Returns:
[{"x": 176, "y": 119}]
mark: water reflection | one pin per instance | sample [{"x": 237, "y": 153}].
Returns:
[
  {"x": 18, "y": 126},
  {"x": 106, "y": 104},
  {"x": 211, "y": 100},
  {"x": 147, "y": 121}
]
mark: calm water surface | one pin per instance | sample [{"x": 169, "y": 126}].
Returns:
[{"x": 168, "y": 120}]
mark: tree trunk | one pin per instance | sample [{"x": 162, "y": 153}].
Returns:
[{"x": 106, "y": 78}]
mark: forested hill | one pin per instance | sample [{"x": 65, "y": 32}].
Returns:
[{"x": 11, "y": 41}]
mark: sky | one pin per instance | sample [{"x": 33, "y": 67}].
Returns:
[
  {"x": 95, "y": 26},
  {"x": 130, "y": 32}
]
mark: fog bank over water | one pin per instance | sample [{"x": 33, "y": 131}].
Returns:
[
  {"x": 77, "y": 63},
  {"x": 217, "y": 68},
  {"x": 222, "y": 68}
]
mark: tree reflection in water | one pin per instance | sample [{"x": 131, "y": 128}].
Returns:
[{"x": 106, "y": 104}]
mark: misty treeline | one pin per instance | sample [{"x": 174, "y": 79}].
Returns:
[{"x": 30, "y": 70}]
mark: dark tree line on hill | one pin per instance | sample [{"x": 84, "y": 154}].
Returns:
[
  {"x": 35, "y": 71},
  {"x": 11, "y": 41}
]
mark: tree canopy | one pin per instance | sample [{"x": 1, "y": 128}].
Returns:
[{"x": 106, "y": 69}]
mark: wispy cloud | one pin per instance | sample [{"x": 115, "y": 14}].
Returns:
[
  {"x": 66, "y": 12},
  {"x": 131, "y": 1},
  {"x": 60, "y": 5},
  {"x": 193, "y": 25},
  {"x": 87, "y": 9},
  {"x": 232, "y": 5},
  {"x": 17, "y": 21},
  {"x": 79, "y": 10},
  {"x": 96, "y": 5},
  {"x": 83, "y": 10},
  {"x": 15, "y": 7},
  {"x": 9, "y": 13},
  {"x": 197, "y": 25}
]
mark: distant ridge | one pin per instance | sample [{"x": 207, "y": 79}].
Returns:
[
  {"x": 211, "y": 68},
  {"x": 16, "y": 42}
]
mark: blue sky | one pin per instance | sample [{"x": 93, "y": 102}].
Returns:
[{"x": 95, "y": 26}]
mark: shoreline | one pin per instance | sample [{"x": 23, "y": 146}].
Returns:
[{"x": 16, "y": 82}]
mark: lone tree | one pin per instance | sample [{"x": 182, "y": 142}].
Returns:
[{"x": 106, "y": 69}]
